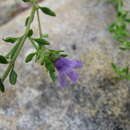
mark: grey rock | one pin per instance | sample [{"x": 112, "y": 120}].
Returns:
[
  {"x": 97, "y": 101},
  {"x": 11, "y": 8}
]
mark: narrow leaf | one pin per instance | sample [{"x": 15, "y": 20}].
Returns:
[
  {"x": 26, "y": 0},
  {"x": 13, "y": 77},
  {"x": 47, "y": 11},
  {"x": 53, "y": 76},
  {"x": 2, "y": 88},
  {"x": 30, "y": 33},
  {"x": 50, "y": 67},
  {"x": 10, "y": 39},
  {"x": 127, "y": 20},
  {"x": 41, "y": 41},
  {"x": 29, "y": 57},
  {"x": 27, "y": 19},
  {"x": 3, "y": 60}
]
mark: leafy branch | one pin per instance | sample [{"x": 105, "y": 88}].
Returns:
[
  {"x": 120, "y": 33},
  {"x": 42, "y": 54},
  {"x": 119, "y": 28}
]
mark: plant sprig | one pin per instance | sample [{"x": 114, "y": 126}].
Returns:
[
  {"x": 119, "y": 28},
  {"x": 42, "y": 54},
  {"x": 120, "y": 33},
  {"x": 122, "y": 72}
]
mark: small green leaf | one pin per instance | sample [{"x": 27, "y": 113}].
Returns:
[
  {"x": 64, "y": 55},
  {"x": 125, "y": 45},
  {"x": 116, "y": 68},
  {"x": 121, "y": 71},
  {"x": 29, "y": 57},
  {"x": 47, "y": 11},
  {"x": 53, "y": 76},
  {"x": 124, "y": 71},
  {"x": 14, "y": 49},
  {"x": 41, "y": 41},
  {"x": 122, "y": 15},
  {"x": 127, "y": 20},
  {"x": 2, "y": 88},
  {"x": 124, "y": 48},
  {"x": 30, "y": 33},
  {"x": 13, "y": 77},
  {"x": 50, "y": 67},
  {"x": 3, "y": 60},
  {"x": 11, "y": 39},
  {"x": 56, "y": 51},
  {"x": 113, "y": 27},
  {"x": 27, "y": 19},
  {"x": 27, "y": 0}
]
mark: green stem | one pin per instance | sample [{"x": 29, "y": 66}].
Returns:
[
  {"x": 13, "y": 49},
  {"x": 21, "y": 43},
  {"x": 36, "y": 47},
  {"x": 39, "y": 23}
]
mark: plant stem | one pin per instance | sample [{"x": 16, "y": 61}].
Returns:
[
  {"x": 39, "y": 23},
  {"x": 36, "y": 47},
  {"x": 13, "y": 49},
  {"x": 21, "y": 43}
]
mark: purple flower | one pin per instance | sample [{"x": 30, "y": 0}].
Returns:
[{"x": 65, "y": 69}]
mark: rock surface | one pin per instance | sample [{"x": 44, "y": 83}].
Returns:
[
  {"x": 11, "y": 8},
  {"x": 8, "y": 9},
  {"x": 97, "y": 102}
]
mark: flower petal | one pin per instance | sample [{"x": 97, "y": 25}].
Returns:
[
  {"x": 73, "y": 76},
  {"x": 65, "y": 65},
  {"x": 62, "y": 64},
  {"x": 62, "y": 79},
  {"x": 76, "y": 64}
]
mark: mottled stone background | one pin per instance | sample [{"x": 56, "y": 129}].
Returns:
[
  {"x": 97, "y": 101},
  {"x": 11, "y": 8}
]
